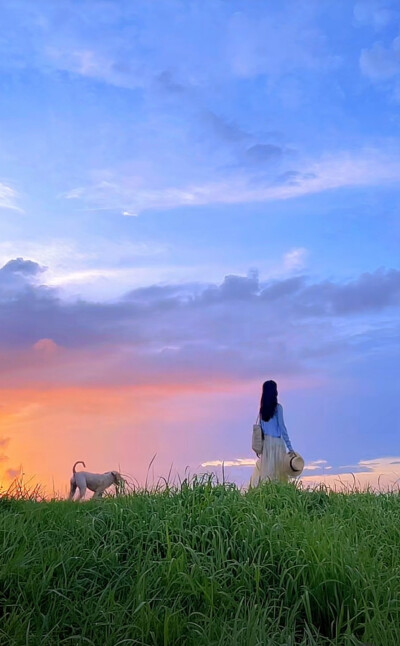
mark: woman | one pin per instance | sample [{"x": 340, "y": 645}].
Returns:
[{"x": 269, "y": 465}]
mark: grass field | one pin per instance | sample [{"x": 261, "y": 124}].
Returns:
[{"x": 201, "y": 565}]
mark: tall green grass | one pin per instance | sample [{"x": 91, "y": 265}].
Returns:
[{"x": 202, "y": 564}]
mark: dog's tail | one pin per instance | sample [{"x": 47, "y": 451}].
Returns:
[{"x": 79, "y": 462}]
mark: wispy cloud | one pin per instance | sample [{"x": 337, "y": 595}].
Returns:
[
  {"x": 316, "y": 465},
  {"x": 8, "y": 198},
  {"x": 242, "y": 43},
  {"x": 378, "y": 13},
  {"x": 369, "y": 167},
  {"x": 99, "y": 267},
  {"x": 381, "y": 63},
  {"x": 239, "y": 462},
  {"x": 295, "y": 258},
  {"x": 380, "y": 472}
]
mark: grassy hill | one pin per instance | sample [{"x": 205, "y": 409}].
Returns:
[{"x": 202, "y": 565}]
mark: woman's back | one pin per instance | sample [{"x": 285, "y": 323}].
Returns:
[
  {"x": 272, "y": 426},
  {"x": 275, "y": 427}
]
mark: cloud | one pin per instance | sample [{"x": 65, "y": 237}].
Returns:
[
  {"x": 378, "y": 13},
  {"x": 283, "y": 288},
  {"x": 293, "y": 177},
  {"x": 263, "y": 153},
  {"x": 134, "y": 46},
  {"x": 236, "y": 162},
  {"x": 369, "y": 167},
  {"x": 224, "y": 129},
  {"x": 316, "y": 465},
  {"x": 46, "y": 346},
  {"x": 239, "y": 462},
  {"x": 381, "y": 63},
  {"x": 8, "y": 197},
  {"x": 370, "y": 292},
  {"x": 192, "y": 333},
  {"x": 158, "y": 53},
  {"x": 295, "y": 259},
  {"x": 381, "y": 473},
  {"x": 255, "y": 41},
  {"x": 4, "y": 441},
  {"x": 96, "y": 268},
  {"x": 18, "y": 275},
  {"x": 21, "y": 266}
]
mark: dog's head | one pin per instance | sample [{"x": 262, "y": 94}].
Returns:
[
  {"x": 119, "y": 482},
  {"x": 116, "y": 478}
]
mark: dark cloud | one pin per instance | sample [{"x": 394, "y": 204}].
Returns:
[
  {"x": 241, "y": 327},
  {"x": 162, "y": 292},
  {"x": 263, "y": 153},
  {"x": 232, "y": 288},
  {"x": 283, "y": 288},
  {"x": 38, "y": 312},
  {"x": 21, "y": 266},
  {"x": 371, "y": 292},
  {"x": 224, "y": 129},
  {"x": 19, "y": 276},
  {"x": 168, "y": 83}
]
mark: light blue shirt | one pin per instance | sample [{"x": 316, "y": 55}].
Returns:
[{"x": 276, "y": 427}]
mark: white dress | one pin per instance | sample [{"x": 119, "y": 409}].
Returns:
[{"x": 269, "y": 466}]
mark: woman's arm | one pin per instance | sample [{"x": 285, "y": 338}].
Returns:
[{"x": 283, "y": 428}]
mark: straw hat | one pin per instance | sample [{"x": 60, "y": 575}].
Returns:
[{"x": 293, "y": 465}]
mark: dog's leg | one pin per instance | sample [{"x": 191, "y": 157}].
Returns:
[
  {"x": 72, "y": 490},
  {"x": 98, "y": 494},
  {"x": 82, "y": 491},
  {"x": 80, "y": 480}
]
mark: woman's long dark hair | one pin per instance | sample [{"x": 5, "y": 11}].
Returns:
[{"x": 269, "y": 400}]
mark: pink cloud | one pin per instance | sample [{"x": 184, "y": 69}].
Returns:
[{"x": 46, "y": 346}]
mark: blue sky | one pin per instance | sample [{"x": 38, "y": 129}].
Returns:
[{"x": 206, "y": 193}]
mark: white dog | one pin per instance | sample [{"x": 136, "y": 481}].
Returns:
[{"x": 96, "y": 482}]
